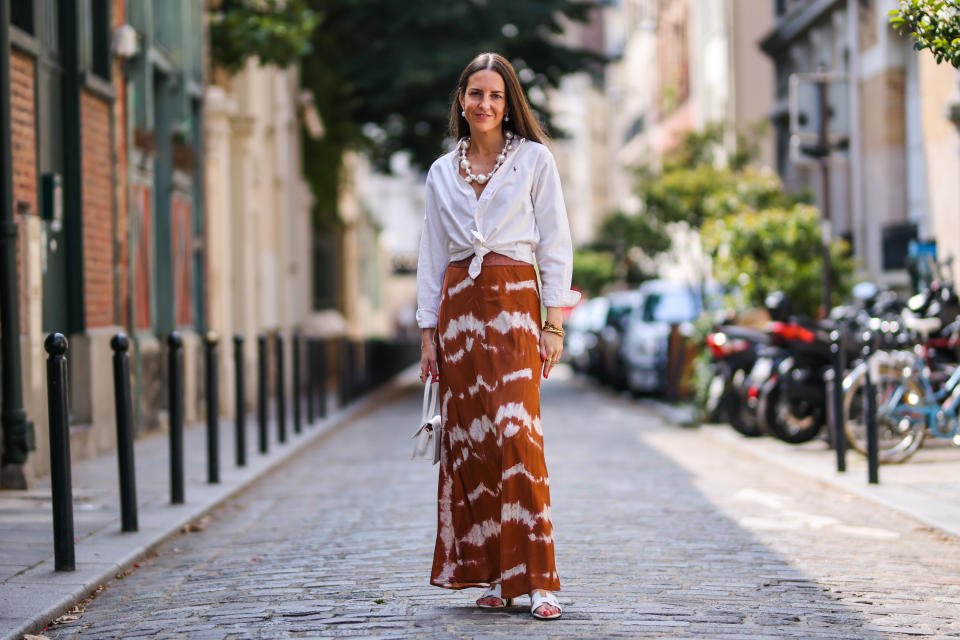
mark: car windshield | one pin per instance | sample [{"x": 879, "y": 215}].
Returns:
[{"x": 669, "y": 306}]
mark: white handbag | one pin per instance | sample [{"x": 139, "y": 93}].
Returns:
[{"x": 426, "y": 443}]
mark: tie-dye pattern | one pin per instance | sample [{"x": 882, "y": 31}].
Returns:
[{"x": 493, "y": 520}]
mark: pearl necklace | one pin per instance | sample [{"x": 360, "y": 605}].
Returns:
[{"x": 482, "y": 178}]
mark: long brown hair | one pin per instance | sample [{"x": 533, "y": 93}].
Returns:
[{"x": 521, "y": 120}]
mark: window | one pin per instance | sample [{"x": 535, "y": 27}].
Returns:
[
  {"x": 21, "y": 16},
  {"x": 97, "y": 37}
]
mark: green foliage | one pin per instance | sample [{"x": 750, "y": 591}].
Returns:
[
  {"x": 933, "y": 25},
  {"x": 275, "y": 31},
  {"x": 620, "y": 232},
  {"x": 383, "y": 72},
  {"x": 777, "y": 249},
  {"x": 699, "y": 180},
  {"x": 592, "y": 270},
  {"x": 628, "y": 242}
]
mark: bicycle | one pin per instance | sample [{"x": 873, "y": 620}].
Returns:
[{"x": 911, "y": 402}]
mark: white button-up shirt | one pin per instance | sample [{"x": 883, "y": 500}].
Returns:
[{"x": 519, "y": 214}]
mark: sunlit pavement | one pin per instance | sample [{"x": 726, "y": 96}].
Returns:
[{"x": 661, "y": 532}]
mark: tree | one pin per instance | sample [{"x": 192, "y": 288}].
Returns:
[
  {"x": 277, "y": 32},
  {"x": 629, "y": 240},
  {"x": 382, "y": 72},
  {"x": 592, "y": 270},
  {"x": 777, "y": 249},
  {"x": 933, "y": 25},
  {"x": 697, "y": 182},
  {"x": 700, "y": 179}
]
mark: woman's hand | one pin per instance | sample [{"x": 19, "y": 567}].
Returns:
[
  {"x": 551, "y": 345},
  {"x": 428, "y": 355}
]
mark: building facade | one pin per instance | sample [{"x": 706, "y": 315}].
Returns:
[
  {"x": 889, "y": 186},
  {"x": 68, "y": 101},
  {"x": 258, "y": 214},
  {"x": 151, "y": 195}
]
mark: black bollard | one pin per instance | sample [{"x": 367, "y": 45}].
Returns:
[
  {"x": 345, "y": 370},
  {"x": 175, "y": 404},
  {"x": 263, "y": 436},
  {"x": 281, "y": 392},
  {"x": 360, "y": 364},
  {"x": 311, "y": 389},
  {"x": 60, "y": 478},
  {"x": 240, "y": 437},
  {"x": 321, "y": 364},
  {"x": 124, "y": 412},
  {"x": 870, "y": 415},
  {"x": 295, "y": 346},
  {"x": 839, "y": 367},
  {"x": 213, "y": 409}
]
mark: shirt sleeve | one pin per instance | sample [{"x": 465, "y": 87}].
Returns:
[
  {"x": 434, "y": 256},
  {"x": 554, "y": 251}
]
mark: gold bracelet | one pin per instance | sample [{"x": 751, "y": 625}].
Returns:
[{"x": 552, "y": 328}]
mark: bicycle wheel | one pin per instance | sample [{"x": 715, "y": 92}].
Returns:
[{"x": 900, "y": 431}]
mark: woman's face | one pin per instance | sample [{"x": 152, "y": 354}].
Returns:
[{"x": 485, "y": 101}]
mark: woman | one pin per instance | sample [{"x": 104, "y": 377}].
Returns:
[{"x": 492, "y": 205}]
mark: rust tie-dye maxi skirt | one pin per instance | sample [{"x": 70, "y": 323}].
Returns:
[{"x": 494, "y": 494}]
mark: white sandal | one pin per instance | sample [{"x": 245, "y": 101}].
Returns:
[
  {"x": 494, "y": 592},
  {"x": 537, "y": 599}
]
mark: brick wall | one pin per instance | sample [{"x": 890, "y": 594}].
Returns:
[
  {"x": 97, "y": 211},
  {"x": 24, "y": 142}
]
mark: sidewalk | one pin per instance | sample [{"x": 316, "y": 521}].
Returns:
[
  {"x": 32, "y": 594},
  {"x": 926, "y": 487}
]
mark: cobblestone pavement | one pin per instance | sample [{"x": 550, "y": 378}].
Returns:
[{"x": 660, "y": 533}]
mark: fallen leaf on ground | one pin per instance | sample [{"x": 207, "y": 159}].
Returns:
[{"x": 199, "y": 525}]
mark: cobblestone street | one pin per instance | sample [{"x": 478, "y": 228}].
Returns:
[{"x": 660, "y": 533}]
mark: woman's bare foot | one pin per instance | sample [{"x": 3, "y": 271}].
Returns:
[
  {"x": 546, "y": 609},
  {"x": 492, "y": 599}
]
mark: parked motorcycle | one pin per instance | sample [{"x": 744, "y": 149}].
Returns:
[
  {"x": 733, "y": 351},
  {"x": 792, "y": 401}
]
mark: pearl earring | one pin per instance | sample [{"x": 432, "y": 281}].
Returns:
[
  {"x": 463, "y": 114},
  {"x": 507, "y": 117}
]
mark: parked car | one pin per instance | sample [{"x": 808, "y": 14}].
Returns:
[
  {"x": 611, "y": 367},
  {"x": 644, "y": 349},
  {"x": 583, "y": 329}
]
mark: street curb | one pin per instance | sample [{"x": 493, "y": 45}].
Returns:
[{"x": 156, "y": 528}]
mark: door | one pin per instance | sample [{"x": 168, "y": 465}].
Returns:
[{"x": 50, "y": 165}]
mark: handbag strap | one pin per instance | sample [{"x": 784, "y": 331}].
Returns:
[{"x": 429, "y": 400}]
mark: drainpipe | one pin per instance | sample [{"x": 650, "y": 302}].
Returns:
[
  {"x": 17, "y": 431},
  {"x": 861, "y": 244}
]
